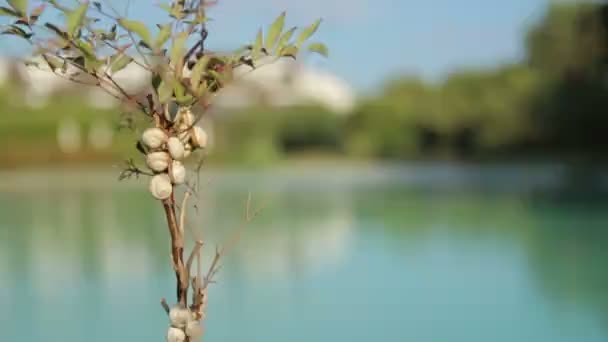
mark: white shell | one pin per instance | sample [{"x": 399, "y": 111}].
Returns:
[
  {"x": 175, "y": 335},
  {"x": 160, "y": 187},
  {"x": 199, "y": 137},
  {"x": 187, "y": 118},
  {"x": 176, "y": 148},
  {"x": 179, "y": 316},
  {"x": 187, "y": 150},
  {"x": 177, "y": 172},
  {"x": 158, "y": 161},
  {"x": 194, "y": 329},
  {"x": 154, "y": 137}
]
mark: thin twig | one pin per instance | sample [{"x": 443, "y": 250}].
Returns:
[
  {"x": 163, "y": 303},
  {"x": 182, "y": 216}
]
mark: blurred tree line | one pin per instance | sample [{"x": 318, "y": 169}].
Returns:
[
  {"x": 555, "y": 100},
  {"x": 552, "y": 102}
]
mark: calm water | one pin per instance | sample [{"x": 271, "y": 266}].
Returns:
[{"x": 425, "y": 253}]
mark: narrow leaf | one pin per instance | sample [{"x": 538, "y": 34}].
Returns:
[
  {"x": 178, "y": 50},
  {"x": 53, "y": 62},
  {"x": 136, "y": 27},
  {"x": 58, "y": 6},
  {"x": 120, "y": 62},
  {"x": 19, "y": 5},
  {"x": 163, "y": 35},
  {"x": 165, "y": 91},
  {"x": 166, "y": 7},
  {"x": 198, "y": 71},
  {"x": 8, "y": 12},
  {"x": 86, "y": 49},
  {"x": 319, "y": 48},
  {"x": 181, "y": 97},
  {"x": 257, "y": 46},
  {"x": 285, "y": 39},
  {"x": 16, "y": 31},
  {"x": 275, "y": 31},
  {"x": 76, "y": 17},
  {"x": 308, "y": 32},
  {"x": 289, "y": 51}
]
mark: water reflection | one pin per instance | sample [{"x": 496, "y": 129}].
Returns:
[{"x": 347, "y": 259}]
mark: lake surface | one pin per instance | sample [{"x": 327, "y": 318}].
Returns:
[{"x": 419, "y": 253}]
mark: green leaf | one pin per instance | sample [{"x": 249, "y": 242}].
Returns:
[
  {"x": 19, "y": 5},
  {"x": 285, "y": 39},
  {"x": 86, "y": 49},
  {"x": 53, "y": 62},
  {"x": 165, "y": 91},
  {"x": 163, "y": 35},
  {"x": 91, "y": 63},
  {"x": 119, "y": 62},
  {"x": 136, "y": 27},
  {"x": 76, "y": 17},
  {"x": 308, "y": 32},
  {"x": 166, "y": 7},
  {"x": 289, "y": 51},
  {"x": 257, "y": 46},
  {"x": 198, "y": 71},
  {"x": 15, "y": 30},
  {"x": 8, "y": 12},
  {"x": 58, "y": 6},
  {"x": 319, "y": 48},
  {"x": 181, "y": 97},
  {"x": 275, "y": 31},
  {"x": 178, "y": 50}
]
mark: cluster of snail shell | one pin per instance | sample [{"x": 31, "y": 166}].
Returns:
[
  {"x": 183, "y": 323},
  {"x": 166, "y": 152}
]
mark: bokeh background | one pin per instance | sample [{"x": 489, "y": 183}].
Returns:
[{"x": 442, "y": 176}]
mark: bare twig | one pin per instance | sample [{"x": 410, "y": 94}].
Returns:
[
  {"x": 163, "y": 303},
  {"x": 182, "y": 216},
  {"x": 220, "y": 252}
]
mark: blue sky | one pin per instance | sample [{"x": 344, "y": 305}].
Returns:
[{"x": 372, "y": 40}]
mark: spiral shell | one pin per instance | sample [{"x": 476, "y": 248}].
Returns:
[
  {"x": 187, "y": 150},
  {"x": 186, "y": 117},
  {"x": 179, "y": 316},
  {"x": 177, "y": 172},
  {"x": 158, "y": 161},
  {"x": 160, "y": 187},
  {"x": 199, "y": 137},
  {"x": 176, "y": 148},
  {"x": 184, "y": 133},
  {"x": 175, "y": 335},
  {"x": 154, "y": 137}
]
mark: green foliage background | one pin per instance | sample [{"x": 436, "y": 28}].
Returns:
[{"x": 554, "y": 101}]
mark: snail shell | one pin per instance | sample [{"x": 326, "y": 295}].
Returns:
[
  {"x": 199, "y": 137},
  {"x": 177, "y": 172},
  {"x": 175, "y": 335},
  {"x": 176, "y": 148},
  {"x": 160, "y": 187},
  {"x": 179, "y": 316},
  {"x": 187, "y": 150},
  {"x": 154, "y": 137},
  {"x": 158, "y": 161}
]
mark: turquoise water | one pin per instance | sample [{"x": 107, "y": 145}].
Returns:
[{"x": 374, "y": 254}]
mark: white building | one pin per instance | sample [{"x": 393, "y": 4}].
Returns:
[{"x": 281, "y": 83}]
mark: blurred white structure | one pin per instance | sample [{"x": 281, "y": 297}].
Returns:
[
  {"x": 286, "y": 83},
  {"x": 281, "y": 83}
]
